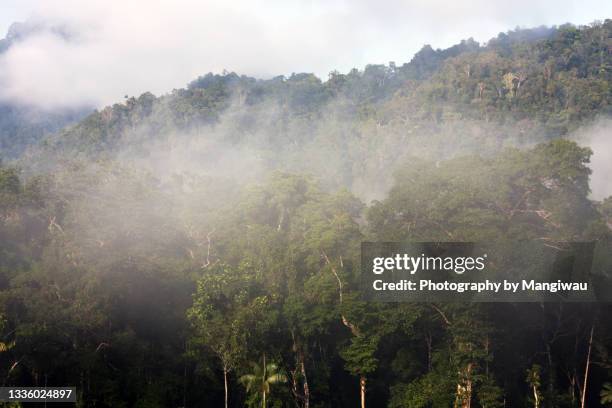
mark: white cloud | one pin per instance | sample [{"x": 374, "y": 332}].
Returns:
[{"x": 129, "y": 47}]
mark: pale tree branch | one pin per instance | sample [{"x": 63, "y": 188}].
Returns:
[{"x": 354, "y": 330}]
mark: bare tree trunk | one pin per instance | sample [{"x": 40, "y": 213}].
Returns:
[
  {"x": 354, "y": 330},
  {"x": 306, "y": 388},
  {"x": 586, "y": 369},
  {"x": 264, "y": 379},
  {"x": 463, "y": 398},
  {"x": 225, "y": 383},
  {"x": 304, "y": 399},
  {"x": 345, "y": 321},
  {"x": 281, "y": 219},
  {"x": 362, "y": 387},
  {"x": 468, "y": 403}
]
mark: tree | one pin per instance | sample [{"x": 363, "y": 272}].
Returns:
[
  {"x": 261, "y": 380},
  {"x": 534, "y": 381},
  {"x": 227, "y": 307}
]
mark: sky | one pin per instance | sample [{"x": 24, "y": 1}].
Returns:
[{"x": 117, "y": 47}]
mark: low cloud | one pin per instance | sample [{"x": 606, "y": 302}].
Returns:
[{"x": 115, "y": 48}]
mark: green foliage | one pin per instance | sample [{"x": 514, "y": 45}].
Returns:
[
  {"x": 149, "y": 284},
  {"x": 229, "y": 310},
  {"x": 259, "y": 383},
  {"x": 606, "y": 394},
  {"x": 353, "y": 129},
  {"x": 541, "y": 193},
  {"x": 490, "y": 395},
  {"x": 535, "y": 383}
]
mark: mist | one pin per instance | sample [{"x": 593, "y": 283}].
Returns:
[
  {"x": 191, "y": 176},
  {"x": 597, "y": 137},
  {"x": 92, "y": 54}
]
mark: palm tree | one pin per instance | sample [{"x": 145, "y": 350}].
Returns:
[{"x": 262, "y": 378}]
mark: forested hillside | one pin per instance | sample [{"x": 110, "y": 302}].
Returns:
[
  {"x": 201, "y": 248},
  {"x": 522, "y": 88}
]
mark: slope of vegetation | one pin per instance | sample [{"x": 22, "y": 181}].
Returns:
[{"x": 202, "y": 248}]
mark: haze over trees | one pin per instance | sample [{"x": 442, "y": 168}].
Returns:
[
  {"x": 201, "y": 248},
  {"x": 22, "y": 125}
]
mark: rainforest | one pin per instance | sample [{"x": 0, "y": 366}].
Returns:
[{"x": 201, "y": 247}]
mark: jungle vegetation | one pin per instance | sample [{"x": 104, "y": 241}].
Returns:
[{"x": 201, "y": 248}]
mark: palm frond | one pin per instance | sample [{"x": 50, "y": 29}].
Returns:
[
  {"x": 277, "y": 378},
  {"x": 247, "y": 380}
]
